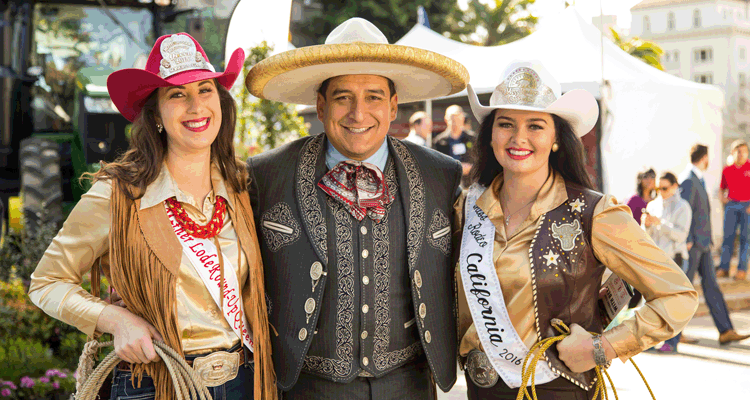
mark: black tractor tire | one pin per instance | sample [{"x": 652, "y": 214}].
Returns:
[
  {"x": 41, "y": 183},
  {"x": 3, "y": 224}
]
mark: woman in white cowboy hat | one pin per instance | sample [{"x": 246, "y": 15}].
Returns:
[
  {"x": 170, "y": 225},
  {"x": 536, "y": 241}
]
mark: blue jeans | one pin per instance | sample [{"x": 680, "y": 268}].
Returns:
[
  {"x": 700, "y": 260},
  {"x": 239, "y": 388},
  {"x": 735, "y": 215}
]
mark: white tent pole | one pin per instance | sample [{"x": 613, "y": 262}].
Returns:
[
  {"x": 601, "y": 36},
  {"x": 604, "y": 92},
  {"x": 428, "y": 111}
]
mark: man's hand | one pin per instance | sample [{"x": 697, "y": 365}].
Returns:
[
  {"x": 689, "y": 245},
  {"x": 723, "y": 197}
]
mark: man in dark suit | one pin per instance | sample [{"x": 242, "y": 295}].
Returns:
[
  {"x": 454, "y": 141},
  {"x": 699, "y": 242},
  {"x": 355, "y": 226}
]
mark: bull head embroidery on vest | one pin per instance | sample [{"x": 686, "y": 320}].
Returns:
[{"x": 567, "y": 234}]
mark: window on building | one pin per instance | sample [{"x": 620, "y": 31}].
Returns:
[
  {"x": 676, "y": 56},
  {"x": 704, "y": 55},
  {"x": 296, "y": 12},
  {"x": 742, "y": 104},
  {"x": 742, "y": 79},
  {"x": 742, "y": 53},
  {"x": 646, "y": 24},
  {"x": 670, "y": 21},
  {"x": 666, "y": 57},
  {"x": 743, "y": 127},
  {"x": 697, "y": 18},
  {"x": 704, "y": 78}
]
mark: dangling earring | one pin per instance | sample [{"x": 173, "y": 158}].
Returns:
[
  {"x": 160, "y": 128},
  {"x": 555, "y": 147}
]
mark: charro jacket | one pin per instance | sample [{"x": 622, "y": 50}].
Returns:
[{"x": 306, "y": 262}]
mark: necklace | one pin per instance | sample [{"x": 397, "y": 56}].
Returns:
[
  {"x": 207, "y": 231},
  {"x": 507, "y": 219}
]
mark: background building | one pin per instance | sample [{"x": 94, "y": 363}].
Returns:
[{"x": 705, "y": 41}]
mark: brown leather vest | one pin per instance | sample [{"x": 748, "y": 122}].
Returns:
[{"x": 567, "y": 286}]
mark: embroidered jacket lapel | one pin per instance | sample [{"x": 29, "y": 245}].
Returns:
[
  {"x": 306, "y": 195},
  {"x": 157, "y": 230},
  {"x": 412, "y": 192}
]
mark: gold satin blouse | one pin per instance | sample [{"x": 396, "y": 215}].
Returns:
[
  {"x": 56, "y": 282},
  {"x": 617, "y": 241}
]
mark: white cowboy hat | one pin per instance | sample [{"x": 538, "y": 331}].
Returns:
[
  {"x": 356, "y": 47},
  {"x": 528, "y": 86}
]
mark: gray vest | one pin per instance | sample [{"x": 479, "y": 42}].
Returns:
[{"x": 366, "y": 326}]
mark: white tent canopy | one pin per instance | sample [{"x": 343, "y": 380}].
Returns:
[{"x": 654, "y": 117}]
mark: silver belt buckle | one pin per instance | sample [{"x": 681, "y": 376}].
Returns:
[
  {"x": 217, "y": 368},
  {"x": 480, "y": 369}
]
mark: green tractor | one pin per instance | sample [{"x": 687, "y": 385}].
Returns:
[
  {"x": 57, "y": 121},
  {"x": 53, "y": 162}
]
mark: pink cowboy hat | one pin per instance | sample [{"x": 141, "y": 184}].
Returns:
[{"x": 174, "y": 60}]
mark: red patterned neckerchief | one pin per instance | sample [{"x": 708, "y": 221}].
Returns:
[
  {"x": 207, "y": 231},
  {"x": 360, "y": 187}
]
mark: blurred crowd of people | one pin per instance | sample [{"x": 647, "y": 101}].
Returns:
[{"x": 676, "y": 213}]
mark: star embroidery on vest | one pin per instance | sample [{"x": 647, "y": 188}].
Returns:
[
  {"x": 576, "y": 205},
  {"x": 551, "y": 258}
]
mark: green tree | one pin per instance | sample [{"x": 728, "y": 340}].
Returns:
[
  {"x": 648, "y": 52},
  {"x": 393, "y": 17},
  {"x": 491, "y": 23},
  {"x": 263, "y": 124}
]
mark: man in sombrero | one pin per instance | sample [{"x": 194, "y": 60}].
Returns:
[{"x": 356, "y": 225}]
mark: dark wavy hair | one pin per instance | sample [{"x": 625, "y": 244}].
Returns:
[
  {"x": 649, "y": 173},
  {"x": 140, "y": 165},
  {"x": 568, "y": 160},
  {"x": 669, "y": 177}
]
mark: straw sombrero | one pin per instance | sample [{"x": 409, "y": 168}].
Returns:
[
  {"x": 528, "y": 86},
  {"x": 356, "y": 47}
]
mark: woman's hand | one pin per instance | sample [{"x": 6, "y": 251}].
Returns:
[
  {"x": 133, "y": 335},
  {"x": 577, "y": 350}
]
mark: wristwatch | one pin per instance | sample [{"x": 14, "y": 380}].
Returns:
[{"x": 599, "y": 357}]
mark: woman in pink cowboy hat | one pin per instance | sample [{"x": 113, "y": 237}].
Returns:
[{"x": 170, "y": 225}]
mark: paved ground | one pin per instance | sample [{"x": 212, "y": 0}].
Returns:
[{"x": 701, "y": 371}]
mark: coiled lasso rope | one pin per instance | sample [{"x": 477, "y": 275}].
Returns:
[
  {"x": 543, "y": 345},
  {"x": 89, "y": 380}
]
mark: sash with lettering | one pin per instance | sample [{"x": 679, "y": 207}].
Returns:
[
  {"x": 205, "y": 259},
  {"x": 499, "y": 338}
]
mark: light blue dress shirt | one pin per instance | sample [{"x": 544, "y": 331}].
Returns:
[{"x": 378, "y": 159}]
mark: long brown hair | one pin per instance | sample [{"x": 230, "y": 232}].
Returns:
[
  {"x": 568, "y": 161},
  {"x": 140, "y": 165}
]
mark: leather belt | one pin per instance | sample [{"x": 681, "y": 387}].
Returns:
[
  {"x": 125, "y": 366},
  {"x": 480, "y": 370}
]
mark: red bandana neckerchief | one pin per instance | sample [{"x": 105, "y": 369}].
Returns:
[
  {"x": 207, "y": 231},
  {"x": 360, "y": 187}
]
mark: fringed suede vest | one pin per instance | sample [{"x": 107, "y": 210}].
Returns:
[
  {"x": 145, "y": 257},
  {"x": 569, "y": 288}
]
